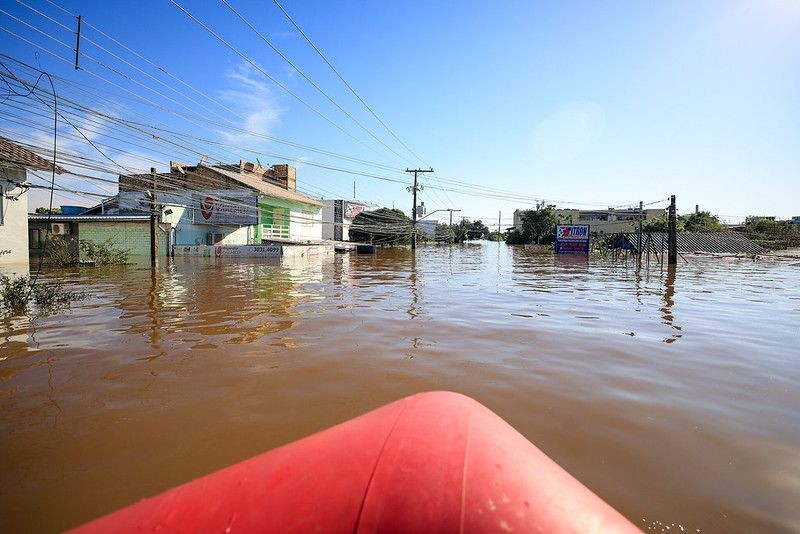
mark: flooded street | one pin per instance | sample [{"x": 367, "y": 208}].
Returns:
[{"x": 673, "y": 395}]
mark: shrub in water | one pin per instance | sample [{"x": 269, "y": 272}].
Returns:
[
  {"x": 60, "y": 252},
  {"x": 16, "y": 293},
  {"x": 104, "y": 253}
]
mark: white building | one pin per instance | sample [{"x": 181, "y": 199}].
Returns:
[
  {"x": 15, "y": 160},
  {"x": 337, "y": 216}
]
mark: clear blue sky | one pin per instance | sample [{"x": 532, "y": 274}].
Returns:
[{"x": 575, "y": 102}]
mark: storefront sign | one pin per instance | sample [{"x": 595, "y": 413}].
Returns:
[
  {"x": 572, "y": 239},
  {"x": 229, "y": 251},
  {"x": 231, "y": 208}
]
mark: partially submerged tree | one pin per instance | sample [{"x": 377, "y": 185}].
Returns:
[{"x": 538, "y": 226}]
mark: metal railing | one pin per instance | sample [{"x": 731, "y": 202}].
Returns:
[{"x": 274, "y": 231}]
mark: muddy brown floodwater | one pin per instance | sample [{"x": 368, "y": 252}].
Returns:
[{"x": 675, "y": 395}]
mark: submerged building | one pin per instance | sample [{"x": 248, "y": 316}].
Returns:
[
  {"x": 225, "y": 204},
  {"x": 15, "y": 161}
]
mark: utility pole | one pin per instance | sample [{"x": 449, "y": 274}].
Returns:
[
  {"x": 639, "y": 243},
  {"x": 78, "y": 43},
  {"x": 499, "y": 214},
  {"x": 354, "y": 189},
  {"x": 416, "y": 187},
  {"x": 672, "y": 250},
  {"x": 153, "y": 221}
]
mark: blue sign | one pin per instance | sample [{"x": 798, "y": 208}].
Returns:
[{"x": 572, "y": 239}]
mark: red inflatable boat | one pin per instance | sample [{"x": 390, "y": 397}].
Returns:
[{"x": 433, "y": 462}]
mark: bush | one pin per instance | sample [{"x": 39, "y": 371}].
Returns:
[
  {"x": 16, "y": 294},
  {"x": 60, "y": 252},
  {"x": 104, "y": 253}
]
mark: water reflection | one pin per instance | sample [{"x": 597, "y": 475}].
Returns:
[
  {"x": 159, "y": 377},
  {"x": 669, "y": 302}
]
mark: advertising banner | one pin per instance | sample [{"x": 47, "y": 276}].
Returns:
[
  {"x": 230, "y": 208},
  {"x": 572, "y": 239},
  {"x": 352, "y": 209}
]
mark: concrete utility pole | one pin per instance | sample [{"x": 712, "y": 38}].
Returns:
[
  {"x": 153, "y": 221},
  {"x": 416, "y": 187},
  {"x": 499, "y": 214},
  {"x": 672, "y": 250}
]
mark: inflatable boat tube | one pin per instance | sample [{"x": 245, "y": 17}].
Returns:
[{"x": 433, "y": 462}]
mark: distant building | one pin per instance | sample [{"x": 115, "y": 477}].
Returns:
[
  {"x": 15, "y": 161},
  {"x": 226, "y": 204},
  {"x": 338, "y": 215},
  {"x": 608, "y": 221}
]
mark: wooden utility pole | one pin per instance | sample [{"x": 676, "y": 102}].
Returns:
[
  {"x": 153, "y": 221},
  {"x": 672, "y": 244},
  {"x": 639, "y": 243},
  {"x": 416, "y": 187}
]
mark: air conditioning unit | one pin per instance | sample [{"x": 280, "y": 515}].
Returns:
[{"x": 59, "y": 228}]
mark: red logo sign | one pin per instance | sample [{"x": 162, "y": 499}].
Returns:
[{"x": 207, "y": 207}]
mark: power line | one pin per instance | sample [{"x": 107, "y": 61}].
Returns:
[
  {"x": 269, "y": 76},
  {"x": 350, "y": 87},
  {"x": 308, "y": 79}
]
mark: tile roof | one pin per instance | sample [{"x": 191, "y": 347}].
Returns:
[
  {"x": 689, "y": 242},
  {"x": 254, "y": 181},
  {"x": 19, "y": 156}
]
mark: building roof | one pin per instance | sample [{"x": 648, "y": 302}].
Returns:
[
  {"x": 17, "y": 155},
  {"x": 689, "y": 242},
  {"x": 254, "y": 181},
  {"x": 86, "y": 218}
]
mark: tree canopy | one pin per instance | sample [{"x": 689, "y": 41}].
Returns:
[
  {"x": 702, "y": 221},
  {"x": 538, "y": 226}
]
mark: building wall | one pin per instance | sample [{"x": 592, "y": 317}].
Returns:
[
  {"x": 131, "y": 236},
  {"x": 328, "y": 224},
  {"x": 14, "y": 225},
  {"x": 304, "y": 221},
  {"x": 197, "y": 234}
]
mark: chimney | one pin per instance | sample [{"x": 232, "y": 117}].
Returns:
[{"x": 286, "y": 176}]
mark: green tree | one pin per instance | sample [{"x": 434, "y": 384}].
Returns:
[
  {"x": 774, "y": 235},
  {"x": 702, "y": 221},
  {"x": 661, "y": 224},
  {"x": 538, "y": 226},
  {"x": 384, "y": 226},
  {"x": 43, "y": 210}
]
